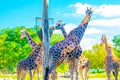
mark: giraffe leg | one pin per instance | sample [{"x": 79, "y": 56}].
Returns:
[
  {"x": 107, "y": 68},
  {"x": 116, "y": 74},
  {"x": 81, "y": 73},
  {"x": 71, "y": 67},
  {"x": 18, "y": 74},
  {"x": 38, "y": 73},
  {"x": 54, "y": 75},
  {"x": 76, "y": 70},
  {"x": 108, "y": 74},
  {"x": 30, "y": 72},
  {"x": 23, "y": 75},
  {"x": 86, "y": 74},
  {"x": 33, "y": 73}
]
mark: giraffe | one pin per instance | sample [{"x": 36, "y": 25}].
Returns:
[
  {"x": 111, "y": 60},
  {"x": 24, "y": 33},
  {"x": 34, "y": 45},
  {"x": 68, "y": 50},
  {"x": 83, "y": 67},
  {"x": 33, "y": 62},
  {"x": 83, "y": 62}
]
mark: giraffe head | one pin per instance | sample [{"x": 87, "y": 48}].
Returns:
[
  {"x": 59, "y": 25},
  {"x": 89, "y": 11},
  {"x": 22, "y": 33},
  {"x": 103, "y": 39}
]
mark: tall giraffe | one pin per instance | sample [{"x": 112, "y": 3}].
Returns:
[
  {"x": 68, "y": 49},
  {"x": 31, "y": 63},
  {"x": 83, "y": 62},
  {"x": 34, "y": 45},
  {"x": 111, "y": 60}
]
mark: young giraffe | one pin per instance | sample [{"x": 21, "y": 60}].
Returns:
[
  {"x": 68, "y": 49},
  {"x": 31, "y": 63},
  {"x": 34, "y": 45},
  {"x": 83, "y": 67},
  {"x": 111, "y": 60},
  {"x": 83, "y": 62}
]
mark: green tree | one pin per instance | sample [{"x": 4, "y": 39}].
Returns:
[
  {"x": 116, "y": 41},
  {"x": 96, "y": 56},
  {"x": 12, "y": 49}
]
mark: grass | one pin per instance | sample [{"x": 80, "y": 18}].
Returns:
[{"x": 95, "y": 75}]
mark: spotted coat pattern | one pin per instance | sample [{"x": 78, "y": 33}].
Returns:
[
  {"x": 31, "y": 63},
  {"x": 83, "y": 62},
  {"x": 56, "y": 56}
]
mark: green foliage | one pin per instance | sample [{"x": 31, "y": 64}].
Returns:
[
  {"x": 63, "y": 68},
  {"x": 116, "y": 41},
  {"x": 96, "y": 56},
  {"x": 12, "y": 49},
  {"x": 56, "y": 38}
]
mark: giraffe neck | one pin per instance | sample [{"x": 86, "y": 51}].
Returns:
[
  {"x": 80, "y": 30},
  {"x": 31, "y": 42},
  {"x": 108, "y": 50},
  {"x": 85, "y": 21},
  {"x": 63, "y": 31}
]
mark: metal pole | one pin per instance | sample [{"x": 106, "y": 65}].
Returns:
[{"x": 45, "y": 30}]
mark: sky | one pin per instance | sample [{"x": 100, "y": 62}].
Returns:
[{"x": 105, "y": 18}]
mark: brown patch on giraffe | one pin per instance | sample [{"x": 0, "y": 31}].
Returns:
[
  {"x": 86, "y": 20},
  {"x": 68, "y": 49}
]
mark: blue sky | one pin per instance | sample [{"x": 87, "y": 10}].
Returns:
[{"x": 105, "y": 18}]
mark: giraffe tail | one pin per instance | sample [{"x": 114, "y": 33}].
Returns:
[{"x": 46, "y": 73}]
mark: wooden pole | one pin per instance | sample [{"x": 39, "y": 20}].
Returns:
[{"x": 45, "y": 30}]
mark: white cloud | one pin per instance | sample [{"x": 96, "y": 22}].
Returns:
[
  {"x": 108, "y": 10},
  {"x": 92, "y": 31},
  {"x": 69, "y": 27},
  {"x": 57, "y": 31},
  {"x": 87, "y": 43},
  {"x": 106, "y": 22},
  {"x": 80, "y": 8},
  {"x": 102, "y": 10}
]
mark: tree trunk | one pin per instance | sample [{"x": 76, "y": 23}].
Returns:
[{"x": 45, "y": 30}]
